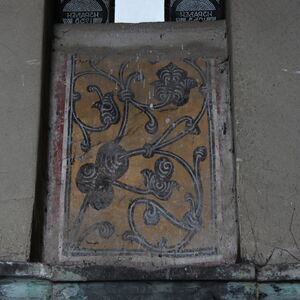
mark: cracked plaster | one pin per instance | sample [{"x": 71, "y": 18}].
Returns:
[{"x": 265, "y": 42}]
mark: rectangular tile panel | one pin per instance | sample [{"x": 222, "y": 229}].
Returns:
[{"x": 141, "y": 164}]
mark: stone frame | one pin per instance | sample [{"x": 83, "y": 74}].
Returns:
[{"x": 68, "y": 45}]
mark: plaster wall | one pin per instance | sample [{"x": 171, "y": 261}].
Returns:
[
  {"x": 21, "y": 28},
  {"x": 265, "y": 76}
]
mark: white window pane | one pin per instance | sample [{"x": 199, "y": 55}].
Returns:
[{"x": 136, "y": 11}]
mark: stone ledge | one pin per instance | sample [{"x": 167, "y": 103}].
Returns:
[
  {"x": 41, "y": 289},
  {"x": 209, "y": 37},
  {"x": 282, "y": 272},
  {"x": 17, "y": 288},
  {"x": 238, "y": 272}
]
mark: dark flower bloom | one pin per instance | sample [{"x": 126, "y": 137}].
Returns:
[
  {"x": 95, "y": 180},
  {"x": 102, "y": 197},
  {"x": 112, "y": 161},
  {"x": 98, "y": 190},
  {"x": 86, "y": 178},
  {"x": 173, "y": 85}
]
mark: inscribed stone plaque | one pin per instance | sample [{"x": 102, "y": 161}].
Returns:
[
  {"x": 84, "y": 11},
  {"x": 141, "y": 170},
  {"x": 195, "y": 10}
]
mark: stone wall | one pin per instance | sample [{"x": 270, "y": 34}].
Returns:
[
  {"x": 21, "y": 32},
  {"x": 264, "y": 40}
]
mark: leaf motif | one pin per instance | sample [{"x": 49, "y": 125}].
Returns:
[{"x": 148, "y": 175}]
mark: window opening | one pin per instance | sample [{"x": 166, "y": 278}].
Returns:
[
  {"x": 195, "y": 10},
  {"x": 138, "y": 11},
  {"x": 84, "y": 11}
]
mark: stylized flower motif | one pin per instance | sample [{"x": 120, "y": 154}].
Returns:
[
  {"x": 158, "y": 182},
  {"x": 191, "y": 218},
  {"x": 151, "y": 215},
  {"x": 173, "y": 85},
  {"x": 112, "y": 161},
  {"x": 95, "y": 180},
  {"x": 86, "y": 178},
  {"x": 164, "y": 168},
  {"x": 109, "y": 112},
  {"x": 102, "y": 197},
  {"x": 105, "y": 229},
  {"x": 98, "y": 190}
]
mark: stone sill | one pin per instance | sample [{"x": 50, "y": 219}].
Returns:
[
  {"x": 280, "y": 272},
  {"x": 82, "y": 273},
  {"x": 79, "y": 273}
]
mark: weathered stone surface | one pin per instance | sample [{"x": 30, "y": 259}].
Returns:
[
  {"x": 202, "y": 273},
  {"x": 141, "y": 158},
  {"x": 265, "y": 71},
  {"x": 15, "y": 220},
  {"x": 278, "y": 291},
  {"x": 280, "y": 272},
  {"x": 15, "y": 289},
  {"x": 25, "y": 270},
  {"x": 156, "y": 290},
  {"x": 75, "y": 273},
  {"x": 206, "y": 39},
  {"x": 21, "y": 26}
]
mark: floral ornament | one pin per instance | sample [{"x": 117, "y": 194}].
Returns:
[
  {"x": 95, "y": 180},
  {"x": 112, "y": 161},
  {"x": 199, "y": 155},
  {"x": 109, "y": 112},
  {"x": 191, "y": 127},
  {"x": 191, "y": 218},
  {"x": 151, "y": 215},
  {"x": 99, "y": 192},
  {"x": 173, "y": 85},
  {"x": 105, "y": 229},
  {"x": 158, "y": 182}
]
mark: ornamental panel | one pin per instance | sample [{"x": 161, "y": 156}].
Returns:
[{"x": 141, "y": 169}]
